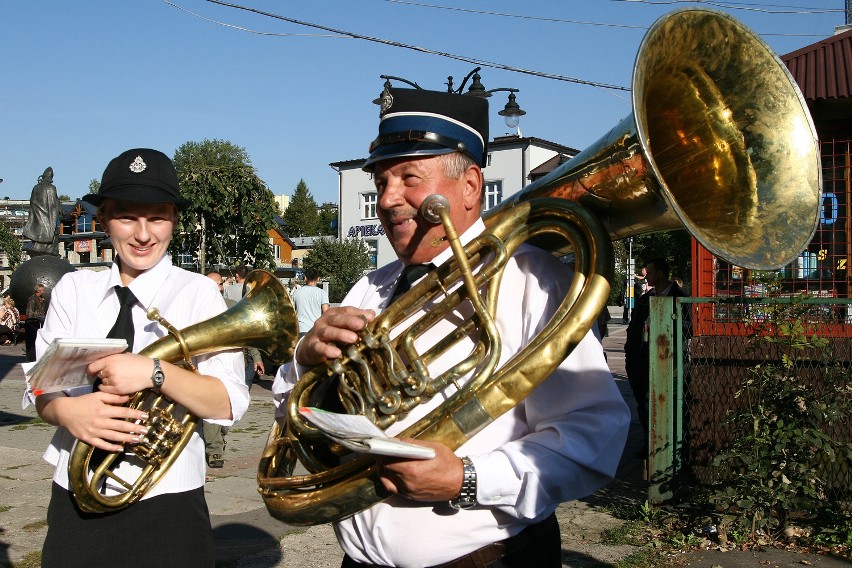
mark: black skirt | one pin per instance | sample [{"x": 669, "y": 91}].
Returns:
[{"x": 166, "y": 530}]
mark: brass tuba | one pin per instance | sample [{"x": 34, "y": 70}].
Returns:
[
  {"x": 263, "y": 319},
  {"x": 720, "y": 142}
]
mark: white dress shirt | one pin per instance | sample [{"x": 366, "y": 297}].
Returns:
[
  {"x": 563, "y": 442},
  {"x": 84, "y": 304}
]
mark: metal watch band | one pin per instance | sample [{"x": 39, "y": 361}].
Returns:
[
  {"x": 157, "y": 377},
  {"x": 467, "y": 496}
]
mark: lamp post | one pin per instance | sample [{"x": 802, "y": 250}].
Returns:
[{"x": 511, "y": 113}]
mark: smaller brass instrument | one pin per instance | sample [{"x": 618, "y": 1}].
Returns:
[{"x": 263, "y": 319}]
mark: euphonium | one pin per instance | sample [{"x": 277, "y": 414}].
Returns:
[
  {"x": 263, "y": 319},
  {"x": 720, "y": 142}
]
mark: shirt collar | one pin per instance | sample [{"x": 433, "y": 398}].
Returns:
[
  {"x": 471, "y": 233},
  {"x": 146, "y": 285}
]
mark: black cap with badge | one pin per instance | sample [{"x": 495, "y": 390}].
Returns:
[{"x": 140, "y": 175}]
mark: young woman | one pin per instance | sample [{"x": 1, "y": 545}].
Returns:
[{"x": 138, "y": 204}]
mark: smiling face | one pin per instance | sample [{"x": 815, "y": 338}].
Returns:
[
  {"x": 403, "y": 184},
  {"x": 140, "y": 233}
]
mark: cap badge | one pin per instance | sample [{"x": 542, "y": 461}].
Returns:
[
  {"x": 138, "y": 165},
  {"x": 385, "y": 101}
]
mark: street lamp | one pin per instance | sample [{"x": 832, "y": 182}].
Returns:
[{"x": 511, "y": 113}]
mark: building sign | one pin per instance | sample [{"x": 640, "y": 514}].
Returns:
[
  {"x": 375, "y": 230},
  {"x": 82, "y": 246}
]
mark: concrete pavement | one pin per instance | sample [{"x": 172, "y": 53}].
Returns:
[{"x": 245, "y": 535}]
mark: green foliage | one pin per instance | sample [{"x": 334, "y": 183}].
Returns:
[
  {"x": 674, "y": 246},
  {"x": 10, "y": 244},
  {"x": 301, "y": 218},
  {"x": 775, "y": 469},
  {"x": 231, "y": 205},
  {"x": 94, "y": 186},
  {"x": 341, "y": 261},
  {"x": 327, "y": 220},
  {"x": 619, "y": 277}
]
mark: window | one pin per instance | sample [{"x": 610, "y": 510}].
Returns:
[
  {"x": 368, "y": 205},
  {"x": 493, "y": 194},
  {"x": 276, "y": 252},
  {"x": 488, "y": 159},
  {"x": 373, "y": 252},
  {"x": 84, "y": 224}
]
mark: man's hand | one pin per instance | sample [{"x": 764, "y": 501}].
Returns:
[
  {"x": 336, "y": 327},
  {"x": 438, "y": 479}
]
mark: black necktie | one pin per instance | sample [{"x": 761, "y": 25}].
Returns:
[
  {"x": 123, "y": 326},
  {"x": 410, "y": 274}
]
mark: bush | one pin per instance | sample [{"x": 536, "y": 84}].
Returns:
[{"x": 787, "y": 409}]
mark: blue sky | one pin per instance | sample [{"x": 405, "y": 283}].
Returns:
[{"x": 83, "y": 80}]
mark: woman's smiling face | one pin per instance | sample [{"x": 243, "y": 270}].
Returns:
[{"x": 140, "y": 233}]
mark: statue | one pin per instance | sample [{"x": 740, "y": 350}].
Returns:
[{"x": 44, "y": 212}]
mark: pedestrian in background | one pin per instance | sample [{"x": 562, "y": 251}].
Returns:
[
  {"x": 235, "y": 291},
  {"x": 9, "y": 320},
  {"x": 637, "y": 355},
  {"x": 310, "y": 301},
  {"x": 36, "y": 309},
  {"x": 214, "y": 434}
]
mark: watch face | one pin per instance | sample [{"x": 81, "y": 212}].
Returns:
[{"x": 158, "y": 377}]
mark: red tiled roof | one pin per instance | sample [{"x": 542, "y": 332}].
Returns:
[{"x": 823, "y": 70}]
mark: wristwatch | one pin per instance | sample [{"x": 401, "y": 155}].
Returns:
[
  {"x": 157, "y": 377},
  {"x": 467, "y": 496}
]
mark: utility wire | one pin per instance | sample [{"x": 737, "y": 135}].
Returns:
[
  {"x": 519, "y": 16},
  {"x": 731, "y": 6},
  {"x": 741, "y": 6},
  {"x": 466, "y": 59},
  {"x": 249, "y": 30}
]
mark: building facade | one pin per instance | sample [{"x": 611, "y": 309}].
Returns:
[{"x": 509, "y": 164}]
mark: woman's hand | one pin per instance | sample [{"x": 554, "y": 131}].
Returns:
[
  {"x": 124, "y": 373},
  {"x": 97, "y": 419}
]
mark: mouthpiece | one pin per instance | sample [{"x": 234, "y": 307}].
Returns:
[{"x": 431, "y": 206}]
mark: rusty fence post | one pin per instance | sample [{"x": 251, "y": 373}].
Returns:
[{"x": 662, "y": 399}]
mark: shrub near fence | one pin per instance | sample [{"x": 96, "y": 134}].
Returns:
[{"x": 760, "y": 409}]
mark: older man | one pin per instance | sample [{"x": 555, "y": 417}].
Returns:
[{"x": 492, "y": 501}]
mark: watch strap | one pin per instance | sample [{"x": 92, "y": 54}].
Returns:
[
  {"x": 467, "y": 496},
  {"x": 157, "y": 376}
]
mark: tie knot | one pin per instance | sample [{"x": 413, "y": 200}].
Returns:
[
  {"x": 414, "y": 272},
  {"x": 125, "y": 296},
  {"x": 410, "y": 274}
]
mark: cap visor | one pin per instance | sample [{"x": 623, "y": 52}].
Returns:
[{"x": 392, "y": 151}]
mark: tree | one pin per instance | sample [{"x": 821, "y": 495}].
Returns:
[
  {"x": 231, "y": 211},
  {"x": 300, "y": 218},
  {"x": 674, "y": 246},
  {"x": 10, "y": 244},
  {"x": 94, "y": 186},
  {"x": 341, "y": 261},
  {"x": 327, "y": 219}
]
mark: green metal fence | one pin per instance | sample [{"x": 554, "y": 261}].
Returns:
[{"x": 700, "y": 352}]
